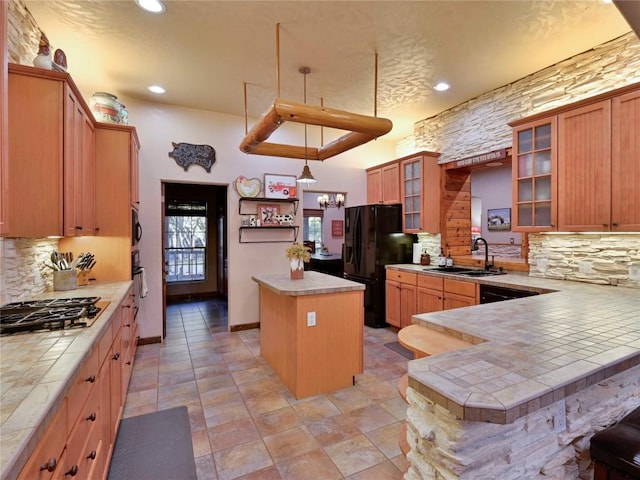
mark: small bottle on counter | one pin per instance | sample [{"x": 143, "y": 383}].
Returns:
[
  {"x": 449, "y": 261},
  {"x": 442, "y": 261}
]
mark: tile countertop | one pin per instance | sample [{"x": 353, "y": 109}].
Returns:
[
  {"x": 537, "y": 350},
  {"x": 36, "y": 371},
  {"x": 313, "y": 283}
]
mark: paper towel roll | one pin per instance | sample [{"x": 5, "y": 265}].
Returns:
[{"x": 417, "y": 252}]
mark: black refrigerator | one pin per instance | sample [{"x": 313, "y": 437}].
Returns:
[{"x": 373, "y": 238}]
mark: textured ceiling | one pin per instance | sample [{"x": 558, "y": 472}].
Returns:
[{"x": 203, "y": 51}]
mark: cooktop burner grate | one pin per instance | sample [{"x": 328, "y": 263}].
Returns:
[{"x": 44, "y": 315}]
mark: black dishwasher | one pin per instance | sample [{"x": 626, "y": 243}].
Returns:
[{"x": 492, "y": 293}]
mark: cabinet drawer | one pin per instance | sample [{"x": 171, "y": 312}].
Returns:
[
  {"x": 105, "y": 345},
  {"x": 402, "y": 277},
  {"x": 48, "y": 453},
  {"x": 85, "y": 431},
  {"x": 82, "y": 386},
  {"x": 427, "y": 281},
  {"x": 467, "y": 289}
]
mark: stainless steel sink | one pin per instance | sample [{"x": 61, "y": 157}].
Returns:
[{"x": 466, "y": 272}]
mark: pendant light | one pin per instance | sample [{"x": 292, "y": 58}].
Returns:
[{"x": 305, "y": 177}]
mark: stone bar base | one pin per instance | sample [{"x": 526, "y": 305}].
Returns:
[{"x": 443, "y": 447}]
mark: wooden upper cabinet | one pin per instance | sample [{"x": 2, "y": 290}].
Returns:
[
  {"x": 4, "y": 150},
  {"x": 625, "y": 162},
  {"x": 35, "y": 174},
  {"x": 584, "y": 168},
  {"x": 383, "y": 184},
  {"x": 50, "y": 189},
  {"x": 580, "y": 165},
  {"x": 420, "y": 181},
  {"x": 534, "y": 178},
  {"x": 79, "y": 169}
]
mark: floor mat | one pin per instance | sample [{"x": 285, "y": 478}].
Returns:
[
  {"x": 396, "y": 347},
  {"x": 154, "y": 446}
]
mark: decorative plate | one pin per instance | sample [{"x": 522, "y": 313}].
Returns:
[{"x": 248, "y": 187}]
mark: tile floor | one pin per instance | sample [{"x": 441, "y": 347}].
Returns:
[{"x": 244, "y": 422}]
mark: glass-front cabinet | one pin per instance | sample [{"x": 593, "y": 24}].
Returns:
[
  {"x": 534, "y": 171},
  {"x": 412, "y": 194},
  {"x": 420, "y": 192}
]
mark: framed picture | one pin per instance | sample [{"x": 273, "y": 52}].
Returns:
[
  {"x": 279, "y": 186},
  {"x": 267, "y": 214},
  {"x": 337, "y": 228},
  {"x": 499, "y": 219}
]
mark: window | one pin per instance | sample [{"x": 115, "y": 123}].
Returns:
[
  {"x": 312, "y": 226},
  {"x": 186, "y": 240}
]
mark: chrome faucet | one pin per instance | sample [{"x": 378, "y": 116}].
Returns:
[{"x": 487, "y": 265}]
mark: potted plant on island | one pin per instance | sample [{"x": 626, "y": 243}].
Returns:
[{"x": 298, "y": 254}]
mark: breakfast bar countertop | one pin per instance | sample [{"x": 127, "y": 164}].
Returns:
[
  {"x": 313, "y": 283},
  {"x": 530, "y": 352}
]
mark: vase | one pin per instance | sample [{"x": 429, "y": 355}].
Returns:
[
  {"x": 105, "y": 107},
  {"x": 297, "y": 269}
]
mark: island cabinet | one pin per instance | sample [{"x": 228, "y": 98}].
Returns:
[
  {"x": 400, "y": 297},
  {"x": 383, "y": 183},
  {"x": 420, "y": 181},
  {"x": 574, "y": 166},
  {"x": 311, "y": 331},
  {"x": 51, "y": 168}
]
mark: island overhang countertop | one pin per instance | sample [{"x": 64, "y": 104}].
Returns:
[
  {"x": 529, "y": 352},
  {"x": 313, "y": 283}
]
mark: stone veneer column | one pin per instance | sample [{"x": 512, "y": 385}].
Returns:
[{"x": 443, "y": 447}]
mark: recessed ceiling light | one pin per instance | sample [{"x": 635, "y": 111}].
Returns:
[
  {"x": 441, "y": 87},
  {"x": 156, "y": 89},
  {"x": 153, "y": 6}
]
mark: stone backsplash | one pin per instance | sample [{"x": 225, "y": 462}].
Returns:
[
  {"x": 23, "y": 273},
  {"x": 608, "y": 259}
]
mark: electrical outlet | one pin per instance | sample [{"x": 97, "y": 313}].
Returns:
[
  {"x": 311, "y": 319},
  {"x": 560, "y": 418}
]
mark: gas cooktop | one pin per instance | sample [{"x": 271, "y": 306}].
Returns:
[{"x": 46, "y": 315}]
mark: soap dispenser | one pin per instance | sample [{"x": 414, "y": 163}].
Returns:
[
  {"x": 442, "y": 261},
  {"x": 449, "y": 260}
]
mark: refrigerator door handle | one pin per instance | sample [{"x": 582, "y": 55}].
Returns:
[{"x": 358, "y": 241}]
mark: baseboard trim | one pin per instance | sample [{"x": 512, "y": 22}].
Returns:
[
  {"x": 244, "y": 326},
  {"x": 149, "y": 340}
]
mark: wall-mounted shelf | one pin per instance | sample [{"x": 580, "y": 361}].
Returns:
[
  {"x": 292, "y": 228},
  {"x": 242, "y": 200},
  {"x": 243, "y": 233}
]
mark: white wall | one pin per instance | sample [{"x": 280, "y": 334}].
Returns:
[{"x": 157, "y": 126}]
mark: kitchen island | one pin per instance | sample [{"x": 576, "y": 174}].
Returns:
[
  {"x": 545, "y": 373},
  {"x": 311, "y": 330}
]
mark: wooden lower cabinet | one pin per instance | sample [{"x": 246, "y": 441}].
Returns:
[
  {"x": 400, "y": 298},
  {"x": 46, "y": 459},
  {"x": 409, "y": 294},
  {"x": 79, "y": 442},
  {"x": 430, "y": 294},
  {"x": 459, "y": 294}
]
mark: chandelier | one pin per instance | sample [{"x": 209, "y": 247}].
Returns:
[
  {"x": 361, "y": 128},
  {"x": 333, "y": 201}
]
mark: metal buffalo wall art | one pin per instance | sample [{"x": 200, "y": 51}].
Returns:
[{"x": 187, "y": 154}]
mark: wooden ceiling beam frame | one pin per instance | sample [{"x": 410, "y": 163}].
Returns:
[{"x": 362, "y": 129}]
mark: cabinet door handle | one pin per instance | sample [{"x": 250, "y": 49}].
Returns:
[
  {"x": 72, "y": 472},
  {"x": 605, "y": 224},
  {"x": 91, "y": 379},
  {"x": 50, "y": 466},
  {"x": 92, "y": 417},
  {"x": 92, "y": 455},
  {"x": 128, "y": 363},
  {"x": 614, "y": 224},
  {"x": 116, "y": 356}
]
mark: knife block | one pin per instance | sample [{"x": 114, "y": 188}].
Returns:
[{"x": 83, "y": 277}]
